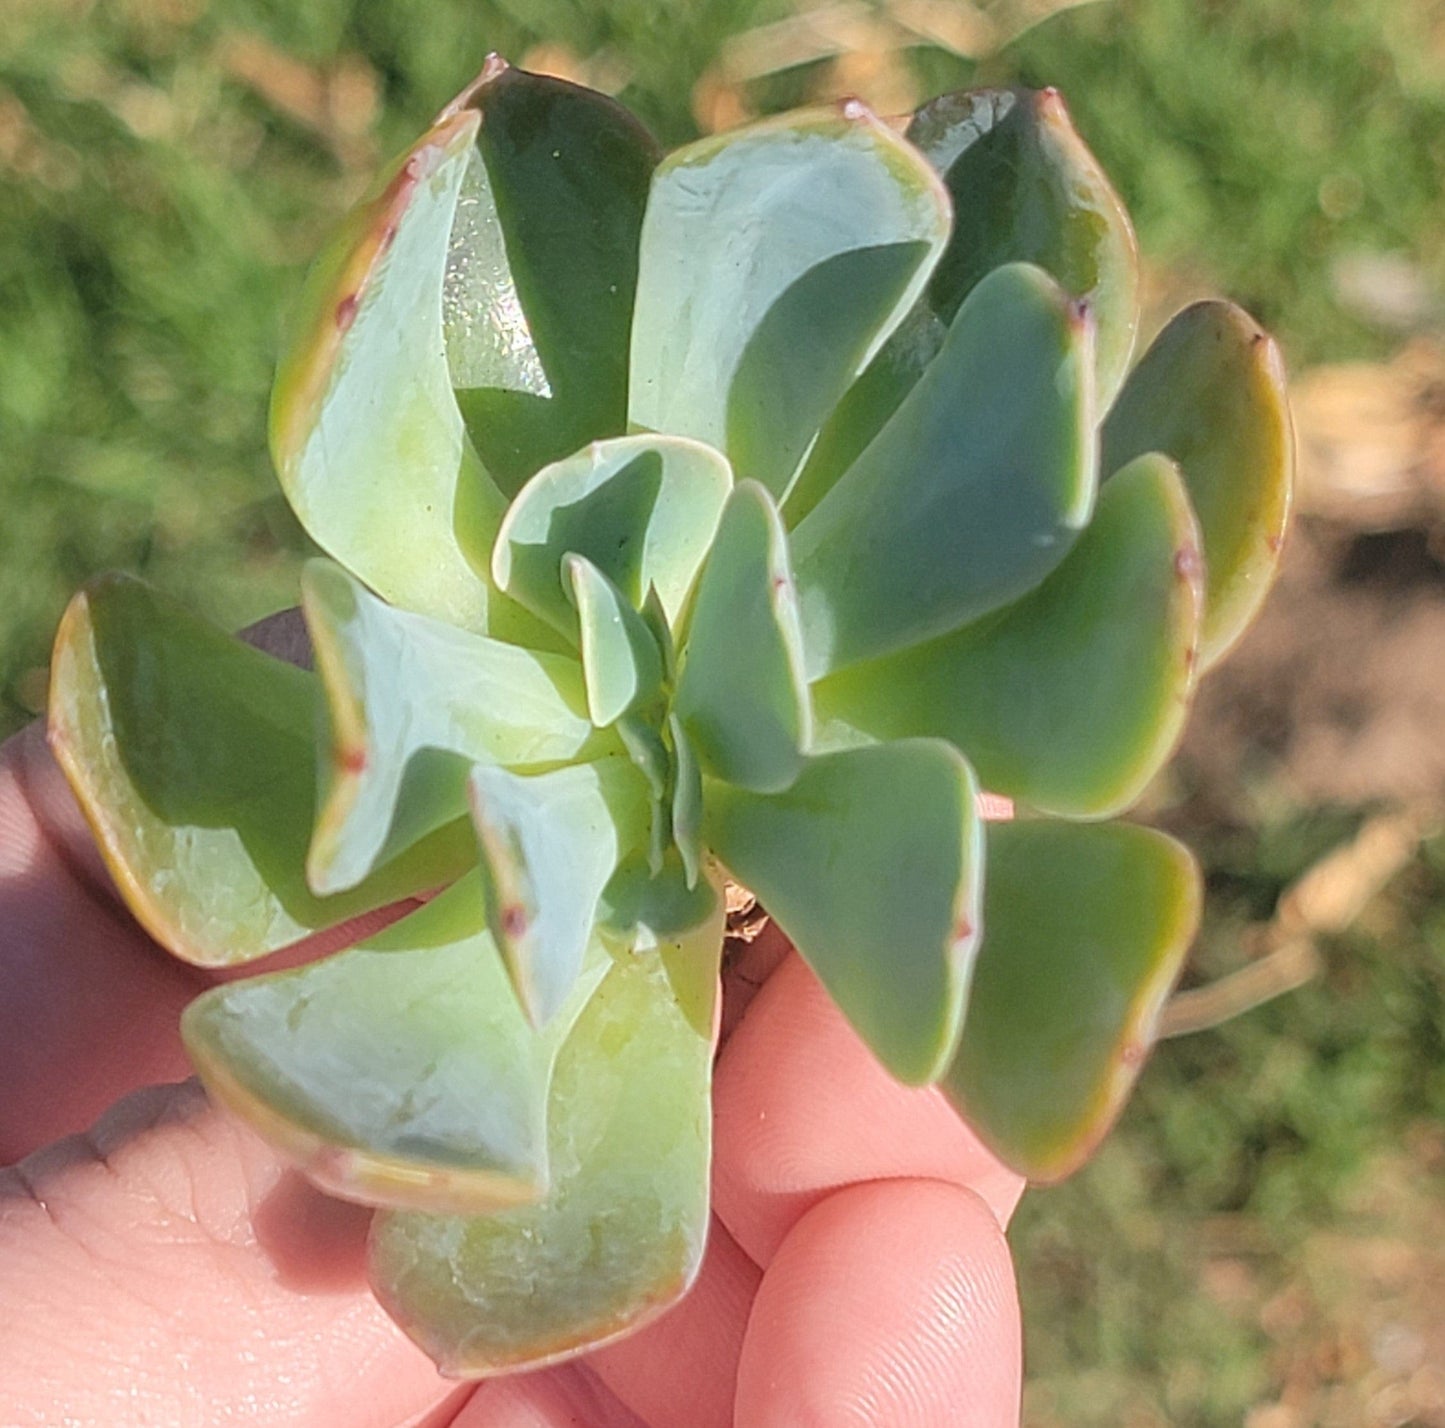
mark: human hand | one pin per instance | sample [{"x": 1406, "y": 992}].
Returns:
[{"x": 165, "y": 1268}]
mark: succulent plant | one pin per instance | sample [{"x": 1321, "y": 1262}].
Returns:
[{"x": 738, "y": 514}]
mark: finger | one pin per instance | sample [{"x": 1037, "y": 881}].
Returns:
[
  {"x": 680, "y": 1372},
  {"x": 90, "y": 1005},
  {"x": 891, "y": 1303},
  {"x": 167, "y": 1269},
  {"x": 567, "y": 1397},
  {"x": 802, "y": 1107}
]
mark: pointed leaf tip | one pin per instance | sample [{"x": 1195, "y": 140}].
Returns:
[
  {"x": 871, "y": 862},
  {"x": 742, "y": 695},
  {"x": 1086, "y": 928},
  {"x": 1210, "y": 392}
]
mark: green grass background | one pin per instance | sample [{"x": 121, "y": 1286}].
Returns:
[{"x": 155, "y": 215}]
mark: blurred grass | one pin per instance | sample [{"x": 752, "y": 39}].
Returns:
[{"x": 166, "y": 168}]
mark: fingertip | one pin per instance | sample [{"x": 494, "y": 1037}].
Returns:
[
  {"x": 682, "y": 1369},
  {"x": 888, "y": 1303},
  {"x": 802, "y": 1107}
]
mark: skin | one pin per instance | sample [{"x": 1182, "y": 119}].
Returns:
[{"x": 163, "y": 1267}]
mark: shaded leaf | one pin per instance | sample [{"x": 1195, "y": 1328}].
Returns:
[
  {"x": 610, "y": 1248},
  {"x": 686, "y": 800},
  {"x": 549, "y": 844},
  {"x": 401, "y": 1073},
  {"x": 971, "y": 493},
  {"x": 775, "y": 259},
  {"x": 542, "y": 268},
  {"x": 1025, "y": 188},
  {"x": 620, "y": 658},
  {"x": 642, "y": 509},
  {"x": 871, "y": 863},
  {"x": 1071, "y": 699},
  {"x": 192, "y": 756},
  {"x": 1210, "y": 392},
  {"x": 742, "y": 697},
  {"x": 1086, "y": 927},
  {"x": 413, "y": 703}
]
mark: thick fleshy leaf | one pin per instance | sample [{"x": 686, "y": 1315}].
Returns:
[
  {"x": 645, "y": 911},
  {"x": 621, "y": 1235},
  {"x": 686, "y": 800},
  {"x": 365, "y": 432},
  {"x": 1071, "y": 699},
  {"x": 401, "y": 1073},
  {"x": 542, "y": 268},
  {"x": 1025, "y": 188},
  {"x": 871, "y": 863},
  {"x": 742, "y": 696},
  {"x": 192, "y": 756},
  {"x": 866, "y": 407},
  {"x": 775, "y": 260},
  {"x": 642, "y": 509},
  {"x": 1086, "y": 928},
  {"x": 620, "y": 658},
  {"x": 972, "y": 492},
  {"x": 549, "y": 844},
  {"x": 413, "y": 703},
  {"x": 1210, "y": 392}
]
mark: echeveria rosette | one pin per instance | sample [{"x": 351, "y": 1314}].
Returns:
[{"x": 740, "y": 513}]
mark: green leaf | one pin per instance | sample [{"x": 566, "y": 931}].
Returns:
[
  {"x": 542, "y": 268},
  {"x": 741, "y": 695},
  {"x": 401, "y": 1073},
  {"x": 549, "y": 845},
  {"x": 193, "y": 758},
  {"x": 1071, "y": 699},
  {"x": 620, "y": 658},
  {"x": 413, "y": 703},
  {"x": 365, "y": 432},
  {"x": 646, "y": 911},
  {"x": 1210, "y": 392},
  {"x": 866, "y": 407},
  {"x": 642, "y": 509},
  {"x": 971, "y": 493},
  {"x": 1086, "y": 928},
  {"x": 620, "y": 1237},
  {"x": 686, "y": 800},
  {"x": 775, "y": 260},
  {"x": 871, "y": 863},
  {"x": 1025, "y": 188}
]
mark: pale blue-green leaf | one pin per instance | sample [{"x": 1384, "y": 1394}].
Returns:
[
  {"x": 1211, "y": 393},
  {"x": 973, "y": 491},
  {"x": 620, "y": 1237},
  {"x": 413, "y": 703},
  {"x": 775, "y": 259},
  {"x": 621, "y": 662},
  {"x": 872, "y": 863},
  {"x": 741, "y": 695},
  {"x": 401, "y": 1073},
  {"x": 1085, "y": 930},
  {"x": 642, "y": 509},
  {"x": 1072, "y": 698},
  {"x": 686, "y": 800},
  {"x": 366, "y": 435},
  {"x": 192, "y": 756},
  {"x": 549, "y": 843}
]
